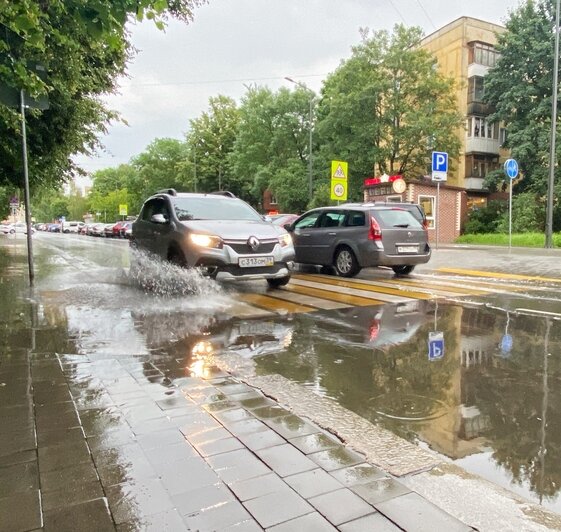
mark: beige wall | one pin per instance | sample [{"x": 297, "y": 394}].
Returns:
[{"x": 449, "y": 46}]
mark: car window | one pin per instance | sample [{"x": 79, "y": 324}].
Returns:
[
  {"x": 213, "y": 208},
  {"x": 309, "y": 220},
  {"x": 331, "y": 219},
  {"x": 396, "y": 218},
  {"x": 155, "y": 206},
  {"x": 355, "y": 218}
]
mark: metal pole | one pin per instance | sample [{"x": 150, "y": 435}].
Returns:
[
  {"x": 436, "y": 217},
  {"x": 310, "y": 163},
  {"x": 195, "y": 159},
  {"x": 510, "y": 217},
  {"x": 26, "y": 191},
  {"x": 549, "y": 221}
]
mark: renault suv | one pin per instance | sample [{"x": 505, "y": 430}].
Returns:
[
  {"x": 218, "y": 233},
  {"x": 355, "y": 236}
]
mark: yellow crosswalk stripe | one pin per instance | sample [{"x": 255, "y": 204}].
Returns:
[
  {"x": 347, "y": 299},
  {"x": 274, "y": 304},
  {"x": 499, "y": 275},
  {"x": 309, "y": 299},
  {"x": 438, "y": 287},
  {"x": 359, "y": 284}
]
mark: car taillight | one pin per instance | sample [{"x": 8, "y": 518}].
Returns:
[
  {"x": 426, "y": 225},
  {"x": 375, "y": 232}
]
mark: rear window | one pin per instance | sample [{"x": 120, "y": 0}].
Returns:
[{"x": 396, "y": 217}]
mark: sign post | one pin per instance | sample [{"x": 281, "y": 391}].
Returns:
[
  {"x": 439, "y": 173},
  {"x": 511, "y": 170}
]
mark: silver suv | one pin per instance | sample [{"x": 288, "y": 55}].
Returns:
[
  {"x": 218, "y": 233},
  {"x": 355, "y": 236}
]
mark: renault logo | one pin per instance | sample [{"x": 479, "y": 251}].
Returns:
[
  {"x": 409, "y": 234},
  {"x": 253, "y": 242}
]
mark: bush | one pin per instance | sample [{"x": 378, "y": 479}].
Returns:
[{"x": 486, "y": 219}]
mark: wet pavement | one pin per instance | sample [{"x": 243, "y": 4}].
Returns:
[{"x": 116, "y": 415}]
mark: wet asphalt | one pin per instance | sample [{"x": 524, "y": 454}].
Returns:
[{"x": 103, "y": 431}]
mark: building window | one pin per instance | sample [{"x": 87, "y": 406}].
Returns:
[
  {"x": 502, "y": 136},
  {"x": 476, "y": 89},
  {"x": 393, "y": 199},
  {"x": 480, "y": 166},
  {"x": 428, "y": 203},
  {"x": 273, "y": 200},
  {"x": 483, "y": 54},
  {"x": 474, "y": 204},
  {"x": 479, "y": 127}
]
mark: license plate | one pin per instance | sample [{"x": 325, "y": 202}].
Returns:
[
  {"x": 255, "y": 262},
  {"x": 407, "y": 249}
]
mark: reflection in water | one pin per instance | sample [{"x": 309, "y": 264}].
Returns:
[{"x": 472, "y": 401}]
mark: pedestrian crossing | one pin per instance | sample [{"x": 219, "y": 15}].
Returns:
[{"x": 313, "y": 292}]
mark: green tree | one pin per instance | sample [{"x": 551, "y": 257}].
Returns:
[
  {"x": 84, "y": 47},
  {"x": 78, "y": 206},
  {"x": 164, "y": 164},
  {"x": 211, "y": 139},
  {"x": 49, "y": 204},
  {"x": 108, "y": 204},
  {"x": 271, "y": 147},
  {"x": 386, "y": 107},
  {"x": 520, "y": 90}
]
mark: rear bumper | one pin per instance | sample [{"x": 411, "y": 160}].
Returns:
[{"x": 380, "y": 258}]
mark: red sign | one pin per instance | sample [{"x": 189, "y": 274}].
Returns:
[{"x": 369, "y": 181}]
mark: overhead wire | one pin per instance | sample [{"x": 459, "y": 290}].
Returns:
[{"x": 426, "y": 14}]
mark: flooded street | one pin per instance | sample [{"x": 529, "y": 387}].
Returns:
[{"x": 457, "y": 361}]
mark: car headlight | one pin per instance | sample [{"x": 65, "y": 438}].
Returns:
[
  {"x": 285, "y": 240},
  {"x": 206, "y": 241}
]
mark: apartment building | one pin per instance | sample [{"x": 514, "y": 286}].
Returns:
[{"x": 465, "y": 51}]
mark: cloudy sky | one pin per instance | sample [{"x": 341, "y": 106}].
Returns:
[{"x": 235, "y": 43}]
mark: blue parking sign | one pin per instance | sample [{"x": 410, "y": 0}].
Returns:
[
  {"x": 439, "y": 166},
  {"x": 436, "y": 345}
]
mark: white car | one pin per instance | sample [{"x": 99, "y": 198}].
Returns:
[
  {"x": 18, "y": 227},
  {"x": 72, "y": 227}
]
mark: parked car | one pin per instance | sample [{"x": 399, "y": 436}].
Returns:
[
  {"x": 97, "y": 229},
  {"x": 72, "y": 227},
  {"x": 108, "y": 230},
  {"x": 53, "y": 228},
  {"x": 354, "y": 236},
  {"x": 117, "y": 229},
  {"x": 218, "y": 233},
  {"x": 126, "y": 230},
  {"x": 19, "y": 227}
]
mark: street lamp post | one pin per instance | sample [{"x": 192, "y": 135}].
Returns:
[{"x": 310, "y": 156}]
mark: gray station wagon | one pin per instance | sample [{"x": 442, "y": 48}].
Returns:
[
  {"x": 354, "y": 236},
  {"x": 220, "y": 234}
]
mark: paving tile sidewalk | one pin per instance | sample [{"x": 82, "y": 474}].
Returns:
[{"x": 112, "y": 443}]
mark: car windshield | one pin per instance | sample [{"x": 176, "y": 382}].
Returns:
[
  {"x": 213, "y": 208},
  {"x": 397, "y": 218}
]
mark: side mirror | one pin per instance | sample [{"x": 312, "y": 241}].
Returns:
[
  {"x": 288, "y": 227},
  {"x": 158, "y": 219}
]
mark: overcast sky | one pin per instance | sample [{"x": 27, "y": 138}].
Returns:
[{"x": 235, "y": 43}]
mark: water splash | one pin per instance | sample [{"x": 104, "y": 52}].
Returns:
[{"x": 151, "y": 274}]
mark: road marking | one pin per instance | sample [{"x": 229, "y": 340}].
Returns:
[
  {"x": 341, "y": 288},
  {"x": 500, "y": 275},
  {"x": 307, "y": 299},
  {"x": 440, "y": 287},
  {"x": 243, "y": 310},
  {"x": 366, "y": 285},
  {"x": 347, "y": 299},
  {"x": 276, "y": 305}
]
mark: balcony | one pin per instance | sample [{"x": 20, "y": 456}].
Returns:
[
  {"x": 479, "y": 108},
  {"x": 482, "y": 145},
  {"x": 473, "y": 183}
]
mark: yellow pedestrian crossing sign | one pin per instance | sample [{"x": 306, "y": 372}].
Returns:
[
  {"x": 338, "y": 189},
  {"x": 339, "y": 169}
]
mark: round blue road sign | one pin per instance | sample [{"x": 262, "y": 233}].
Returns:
[{"x": 511, "y": 168}]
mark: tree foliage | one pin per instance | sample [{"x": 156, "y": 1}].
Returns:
[
  {"x": 210, "y": 140},
  {"x": 386, "y": 107},
  {"x": 520, "y": 90},
  {"x": 271, "y": 149},
  {"x": 84, "y": 47}
]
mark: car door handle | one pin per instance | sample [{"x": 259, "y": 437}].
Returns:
[{"x": 332, "y": 234}]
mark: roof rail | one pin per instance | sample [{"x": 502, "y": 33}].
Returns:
[
  {"x": 226, "y": 193},
  {"x": 169, "y": 191}
]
